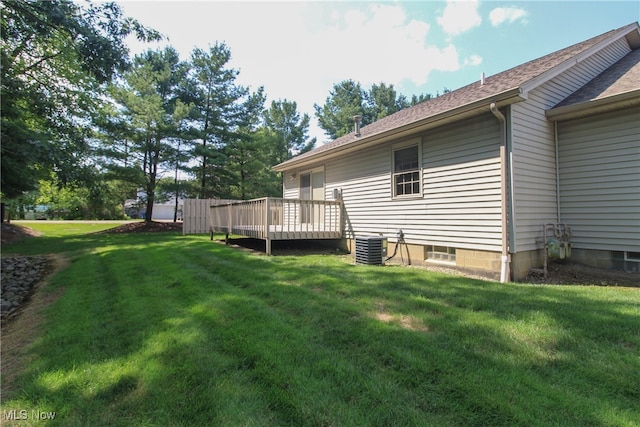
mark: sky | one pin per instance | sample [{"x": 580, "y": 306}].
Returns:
[{"x": 298, "y": 50}]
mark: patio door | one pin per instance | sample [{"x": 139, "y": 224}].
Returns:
[{"x": 311, "y": 188}]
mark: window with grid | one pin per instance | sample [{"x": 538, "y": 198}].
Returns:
[{"x": 406, "y": 171}]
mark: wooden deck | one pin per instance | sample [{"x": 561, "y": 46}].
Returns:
[{"x": 279, "y": 219}]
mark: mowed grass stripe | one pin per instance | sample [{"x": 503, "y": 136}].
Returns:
[{"x": 176, "y": 330}]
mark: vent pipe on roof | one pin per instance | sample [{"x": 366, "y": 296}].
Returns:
[
  {"x": 357, "y": 123},
  {"x": 482, "y": 79}
]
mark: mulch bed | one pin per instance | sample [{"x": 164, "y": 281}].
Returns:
[
  {"x": 12, "y": 233},
  {"x": 571, "y": 273},
  {"x": 144, "y": 227}
]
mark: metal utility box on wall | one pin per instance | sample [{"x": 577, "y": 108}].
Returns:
[{"x": 371, "y": 250}]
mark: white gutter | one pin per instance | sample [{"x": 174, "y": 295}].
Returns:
[
  {"x": 555, "y": 137},
  {"x": 505, "y": 267}
]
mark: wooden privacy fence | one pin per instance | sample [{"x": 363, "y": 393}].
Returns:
[
  {"x": 196, "y": 214},
  {"x": 279, "y": 219}
]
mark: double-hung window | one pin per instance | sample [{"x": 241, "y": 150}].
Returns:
[{"x": 406, "y": 171}]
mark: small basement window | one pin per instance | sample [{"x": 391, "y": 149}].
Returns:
[
  {"x": 442, "y": 254},
  {"x": 632, "y": 256}
]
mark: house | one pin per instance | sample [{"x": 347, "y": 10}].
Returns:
[
  {"x": 484, "y": 177},
  {"x": 162, "y": 211}
]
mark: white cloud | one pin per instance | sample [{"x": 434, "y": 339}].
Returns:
[
  {"x": 285, "y": 44},
  {"x": 500, "y": 15},
  {"x": 380, "y": 43},
  {"x": 298, "y": 50},
  {"x": 459, "y": 16},
  {"x": 366, "y": 43},
  {"x": 473, "y": 60}
]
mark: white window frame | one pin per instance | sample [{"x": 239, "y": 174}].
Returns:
[
  {"x": 631, "y": 256},
  {"x": 415, "y": 142}
]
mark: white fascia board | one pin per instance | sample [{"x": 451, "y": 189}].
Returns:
[{"x": 594, "y": 106}]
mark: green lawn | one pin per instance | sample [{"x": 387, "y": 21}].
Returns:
[
  {"x": 70, "y": 228},
  {"x": 162, "y": 329}
]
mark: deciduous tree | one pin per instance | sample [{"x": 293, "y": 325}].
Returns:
[{"x": 55, "y": 55}]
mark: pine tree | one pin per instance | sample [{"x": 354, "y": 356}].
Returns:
[{"x": 149, "y": 98}]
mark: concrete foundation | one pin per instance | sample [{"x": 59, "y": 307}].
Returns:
[
  {"x": 482, "y": 263},
  {"x": 478, "y": 260},
  {"x": 406, "y": 254},
  {"x": 523, "y": 262},
  {"x": 488, "y": 264},
  {"x": 611, "y": 260}
]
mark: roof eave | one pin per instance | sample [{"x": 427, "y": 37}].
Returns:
[
  {"x": 594, "y": 106},
  {"x": 507, "y": 97}
]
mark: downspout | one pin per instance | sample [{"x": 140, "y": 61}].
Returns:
[
  {"x": 505, "y": 270},
  {"x": 555, "y": 136}
]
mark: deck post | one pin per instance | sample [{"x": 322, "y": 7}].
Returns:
[{"x": 266, "y": 226}]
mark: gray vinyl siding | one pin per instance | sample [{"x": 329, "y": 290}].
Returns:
[
  {"x": 460, "y": 204},
  {"x": 600, "y": 180},
  {"x": 533, "y": 146}
]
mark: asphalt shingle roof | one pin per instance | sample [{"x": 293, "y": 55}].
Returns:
[
  {"x": 621, "y": 77},
  {"x": 494, "y": 85}
]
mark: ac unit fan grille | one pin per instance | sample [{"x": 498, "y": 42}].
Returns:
[{"x": 371, "y": 250}]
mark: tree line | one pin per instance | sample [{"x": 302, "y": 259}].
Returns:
[{"x": 85, "y": 127}]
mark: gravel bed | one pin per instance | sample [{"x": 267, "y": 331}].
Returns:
[{"x": 19, "y": 276}]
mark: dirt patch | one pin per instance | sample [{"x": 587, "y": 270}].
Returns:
[
  {"x": 571, "y": 273},
  {"x": 144, "y": 227},
  {"x": 406, "y": 322},
  {"x": 12, "y": 233},
  {"x": 565, "y": 273}
]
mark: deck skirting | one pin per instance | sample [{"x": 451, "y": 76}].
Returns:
[{"x": 279, "y": 219}]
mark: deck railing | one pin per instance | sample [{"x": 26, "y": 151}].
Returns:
[{"x": 279, "y": 219}]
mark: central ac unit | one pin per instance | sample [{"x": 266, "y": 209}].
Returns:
[{"x": 371, "y": 250}]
